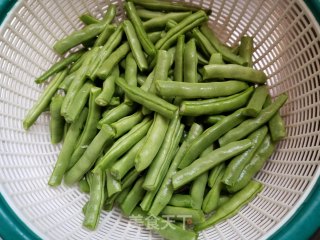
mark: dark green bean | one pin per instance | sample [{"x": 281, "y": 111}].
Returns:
[
  {"x": 67, "y": 150},
  {"x": 246, "y": 49},
  {"x": 233, "y": 71},
  {"x": 256, "y": 102},
  {"x": 154, "y": 140},
  {"x": 180, "y": 213},
  {"x": 113, "y": 185},
  {"x": 147, "y": 45},
  {"x": 43, "y": 101},
  {"x": 238, "y": 163},
  {"x": 56, "y": 121},
  {"x": 220, "y": 47},
  {"x": 123, "y": 144},
  {"x": 215, "y": 106},
  {"x": 276, "y": 124},
  {"x": 58, "y": 66},
  {"x": 89, "y": 157},
  {"x": 248, "y": 126},
  {"x": 207, "y": 162},
  {"x": 148, "y": 100},
  {"x": 232, "y": 206}
]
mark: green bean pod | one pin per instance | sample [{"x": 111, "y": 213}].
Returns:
[
  {"x": 107, "y": 92},
  {"x": 233, "y": 205},
  {"x": 113, "y": 185},
  {"x": 199, "y": 90},
  {"x": 147, "y": 45},
  {"x": 214, "y": 173},
  {"x": 207, "y": 162},
  {"x": 203, "y": 43},
  {"x": 88, "y": 19},
  {"x": 213, "y": 119},
  {"x": 122, "y": 196},
  {"x": 178, "y": 59},
  {"x": 192, "y": 216},
  {"x": 130, "y": 74},
  {"x": 65, "y": 84},
  {"x": 238, "y": 163},
  {"x": 44, "y": 100},
  {"x": 133, "y": 198},
  {"x": 233, "y": 71},
  {"x": 56, "y": 121},
  {"x": 215, "y": 106},
  {"x": 210, "y": 135},
  {"x": 276, "y": 124},
  {"x": 67, "y": 150},
  {"x": 125, "y": 124},
  {"x": 148, "y": 100},
  {"x": 123, "y": 144},
  {"x": 95, "y": 203},
  {"x": 220, "y": 47},
  {"x": 256, "y": 102},
  {"x": 262, "y": 154},
  {"x": 223, "y": 199},
  {"x": 181, "y": 200},
  {"x": 124, "y": 164},
  {"x": 216, "y": 58},
  {"x": 197, "y": 190},
  {"x": 154, "y": 36},
  {"x": 89, "y": 157},
  {"x": 147, "y": 14},
  {"x": 246, "y": 49},
  {"x": 154, "y": 140},
  {"x": 190, "y": 62},
  {"x": 104, "y": 36},
  {"x": 84, "y": 186},
  {"x": 202, "y": 60},
  {"x": 248, "y": 126}
]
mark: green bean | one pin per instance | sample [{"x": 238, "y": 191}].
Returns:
[
  {"x": 124, "y": 164},
  {"x": 170, "y": 24},
  {"x": 133, "y": 198},
  {"x": 107, "y": 92},
  {"x": 154, "y": 140},
  {"x": 113, "y": 60},
  {"x": 197, "y": 190},
  {"x": 95, "y": 203},
  {"x": 276, "y": 124},
  {"x": 148, "y": 100},
  {"x": 199, "y": 90},
  {"x": 89, "y": 157},
  {"x": 77, "y": 37},
  {"x": 110, "y": 14},
  {"x": 130, "y": 75},
  {"x": 65, "y": 84},
  {"x": 178, "y": 60},
  {"x": 180, "y": 213},
  {"x": 104, "y": 35},
  {"x": 57, "y": 67},
  {"x": 67, "y": 150},
  {"x": 215, "y": 106},
  {"x": 211, "y": 200},
  {"x": 214, "y": 173},
  {"x": 248, "y": 126},
  {"x": 78, "y": 103},
  {"x": 88, "y": 19},
  {"x": 147, "y": 14},
  {"x": 135, "y": 45},
  {"x": 147, "y": 45},
  {"x": 202, "y": 60},
  {"x": 223, "y": 199},
  {"x": 84, "y": 186},
  {"x": 262, "y": 154},
  {"x": 78, "y": 81},
  {"x": 213, "y": 119},
  {"x": 161, "y": 163},
  {"x": 44, "y": 100},
  {"x": 185, "y": 25},
  {"x": 141, "y": 80},
  {"x": 256, "y": 102},
  {"x": 160, "y": 22},
  {"x": 79, "y": 62},
  {"x": 190, "y": 62},
  {"x": 122, "y": 196},
  {"x": 210, "y": 135},
  {"x": 207, "y": 162},
  {"x": 154, "y": 36},
  {"x": 238, "y": 163},
  {"x": 116, "y": 113},
  {"x": 165, "y": 228},
  {"x": 114, "y": 101},
  {"x": 165, "y": 192},
  {"x": 125, "y": 124},
  {"x": 220, "y": 47},
  {"x": 104, "y": 53},
  {"x": 234, "y": 71},
  {"x": 233, "y": 205},
  {"x": 113, "y": 185},
  {"x": 246, "y": 49},
  {"x": 147, "y": 84},
  {"x": 165, "y": 6},
  {"x": 56, "y": 121},
  {"x": 181, "y": 200},
  {"x": 204, "y": 44},
  {"x": 123, "y": 144},
  {"x": 216, "y": 58}
]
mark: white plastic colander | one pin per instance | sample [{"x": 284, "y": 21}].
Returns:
[{"x": 287, "y": 48}]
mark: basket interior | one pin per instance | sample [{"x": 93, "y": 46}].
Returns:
[{"x": 287, "y": 47}]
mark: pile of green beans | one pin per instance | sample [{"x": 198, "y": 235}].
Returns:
[{"x": 155, "y": 115}]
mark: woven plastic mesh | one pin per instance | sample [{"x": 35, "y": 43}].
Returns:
[{"x": 287, "y": 47}]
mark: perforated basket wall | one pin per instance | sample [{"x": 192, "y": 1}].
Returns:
[{"x": 287, "y": 43}]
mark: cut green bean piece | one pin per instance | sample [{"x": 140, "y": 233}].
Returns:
[
  {"x": 113, "y": 185},
  {"x": 147, "y": 14},
  {"x": 104, "y": 36},
  {"x": 56, "y": 121},
  {"x": 178, "y": 60},
  {"x": 107, "y": 92},
  {"x": 216, "y": 58},
  {"x": 256, "y": 102},
  {"x": 190, "y": 62},
  {"x": 192, "y": 216},
  {"x": 122, "y": 196},
  {"x": 84, "y": 186},
  {"x": 198, "y": 188},
  {"x": 154, "y": 36},
  {"x": 88, "y": 19},
  {"x": 181, "y": 200},
  {"x": 246, "y": 49},
  {"x": 67, "y": 149},
  {"x": 203, "y": 42},
  {"x": 44, "y": 100},
  {"x": 213, "y": 119},
  {"x": 127, "y": 123},
  {"x": 202, "y": 60}
]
